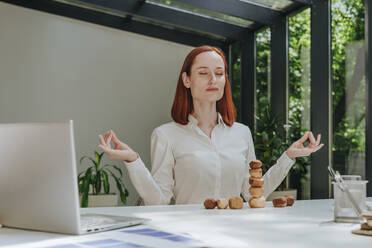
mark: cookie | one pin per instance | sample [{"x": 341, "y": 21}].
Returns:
[
  {"x": 222, "y": 203},
  {"x": 236, "y": 202},
  {"x": 210, "y": 203}
]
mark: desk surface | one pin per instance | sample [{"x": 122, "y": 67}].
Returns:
[{"x": 306, "y": 224}]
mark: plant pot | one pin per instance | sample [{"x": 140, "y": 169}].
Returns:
[
  {"x": 103, "y": 200},
  {"x": 281, "y": 193}
]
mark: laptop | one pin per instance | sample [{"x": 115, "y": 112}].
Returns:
[{"x": 38, "y": 181}]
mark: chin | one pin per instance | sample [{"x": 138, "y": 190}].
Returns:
[
  {"x": 214, "y": 99},
  {"x": 219, "y": 98}
]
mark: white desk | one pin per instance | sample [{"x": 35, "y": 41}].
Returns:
[{"x": 303, "y": 225}]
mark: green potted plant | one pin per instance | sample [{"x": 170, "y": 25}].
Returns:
[
  {"x": 270, "y": 143},
  {"x": 94, "y": 185}
]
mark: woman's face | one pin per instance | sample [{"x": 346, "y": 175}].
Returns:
[{"x": 207, "y": 77}]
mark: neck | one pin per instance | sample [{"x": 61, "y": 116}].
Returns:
[{"x": 205, "y": 113}]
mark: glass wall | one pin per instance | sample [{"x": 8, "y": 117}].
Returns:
[
  {"x": 299, "y": 97},
  {"x": 348, "y": 76},
  {"x": 235, "y": 75},
  {"x": 348, "y": 90},
  {"x": 265, "y": 132},
  {"x": 263, "y": 39}
]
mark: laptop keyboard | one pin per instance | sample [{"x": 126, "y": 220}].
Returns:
[{"x": 89, "y": 221}]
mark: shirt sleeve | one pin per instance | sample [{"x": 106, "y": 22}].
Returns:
[
  {"x": 273, "y": 177},
  {"x": 155, "y": 188}
]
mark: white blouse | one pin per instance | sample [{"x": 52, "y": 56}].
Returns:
[{"x": 190, "y": 167}]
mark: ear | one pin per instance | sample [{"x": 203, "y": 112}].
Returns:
[{"x": 185, "y": 79}]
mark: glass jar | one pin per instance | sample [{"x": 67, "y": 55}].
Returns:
[{"x": 343, "y": 211}]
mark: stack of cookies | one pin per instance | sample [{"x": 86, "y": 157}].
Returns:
[
  {"x": 366, "y": 226},
  {"x": 257, "y": 199}
]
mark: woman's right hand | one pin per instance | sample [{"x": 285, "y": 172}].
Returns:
[{"x": 120, "y": 151}]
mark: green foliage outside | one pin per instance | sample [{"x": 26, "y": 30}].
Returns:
[
  {"x": 348, "y": 131},
  {"x": 299, "y": 92},
  {"x": 270, "y": 141},
  {"x": 349, "y": 107}
]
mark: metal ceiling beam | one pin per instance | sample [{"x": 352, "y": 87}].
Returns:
[
  {"x": 291, "y": 9},
  {"x": 117, "y": 22},
  {"x": 244, "y": 10},
  {"x": 305, "y": 2},
  {"x": 171, "y": 16}
]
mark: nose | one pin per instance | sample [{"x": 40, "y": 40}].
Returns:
[{"x": 212, "y": 79}]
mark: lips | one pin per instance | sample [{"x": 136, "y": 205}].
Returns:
[{"x": 212, "y": 89}]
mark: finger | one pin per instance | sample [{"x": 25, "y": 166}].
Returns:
[
  {"x": 318, "y": 147},
  {"x": 117, "y": 141},
  {"x": 109, "y": 139},
  {"x": 103, "y": 148},
  {"x": 106, "y": 136},
  {"x": 114, "y": 138},
  {"x": 318, "y": 140},
  {"x": 312, "y": 139},
  {"x": 303, "y": 138},
  {"x": 101, "y": 140}
]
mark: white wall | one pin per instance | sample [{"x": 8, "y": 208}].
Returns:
[{"x": 55, "y": 68}]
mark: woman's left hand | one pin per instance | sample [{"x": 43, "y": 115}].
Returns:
[{"x": 297, "y": 149}]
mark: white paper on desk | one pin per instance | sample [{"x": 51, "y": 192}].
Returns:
[{"x": 133, "y": 237}]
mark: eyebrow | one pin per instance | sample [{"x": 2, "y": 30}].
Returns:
[{"x": 204, "y": 67}]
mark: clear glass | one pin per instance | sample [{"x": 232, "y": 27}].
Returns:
[
  {"x": 343, "y": 211},
  {"x": 348, "y": 78},
  {"x": 210, "y": 13},
  {"x": 299, "y": 97},
  {"x": 263, "y": 80},
  {"x": 234, "y": 76},
  {"x": 265, "y": 126}
]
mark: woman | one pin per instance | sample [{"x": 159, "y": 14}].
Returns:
[{"x": 203, "y": 153}]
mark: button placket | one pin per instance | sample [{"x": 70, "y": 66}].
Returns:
[{"x": 218, "y": 165}]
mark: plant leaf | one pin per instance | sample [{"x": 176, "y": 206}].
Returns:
[
  {"x": 98, "y": 157},
  {"x": 98, "y": 183},
  {"x": 119, "y": 185},
  {"x": 81, "y": 182},
  {"x": 123, "y": 196},
  {"x": 80, "y": 185},
  {"x": 117, "y": 168},
  {"x": 106, "y": 184},
  {"x": 84, "y": 200},
  {"x": 85, "y": 188},
  {"x": 91, "y": 159},
  {"x": 80, "y": 174}
]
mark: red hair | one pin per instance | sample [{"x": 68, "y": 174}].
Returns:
[{"x": 183, "y": 104}]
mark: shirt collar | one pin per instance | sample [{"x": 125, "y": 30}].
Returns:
[
  {"x": 194, "y": 122},
  {"x": 220, "y": 120}
]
